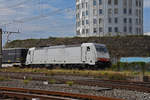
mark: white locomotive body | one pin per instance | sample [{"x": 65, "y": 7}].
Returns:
[{"x": 84, "y": 54}]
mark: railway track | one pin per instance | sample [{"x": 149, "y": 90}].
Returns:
[
  {"x": 115, "y": 84},
  {"x": 28, "y": 94}
]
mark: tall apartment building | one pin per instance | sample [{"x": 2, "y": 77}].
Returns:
[{"x": 109, "y": 17}]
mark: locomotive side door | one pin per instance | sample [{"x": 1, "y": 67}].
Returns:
[
  {"x": 29, "y": 58},
  {"x": 86, "y": 54}
]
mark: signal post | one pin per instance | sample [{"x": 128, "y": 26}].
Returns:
[
  {"x": 0, "y": 48},
  {"x": 5, "y": 32}
]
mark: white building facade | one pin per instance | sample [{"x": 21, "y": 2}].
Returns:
[
  {"x": 147, "y": 33},
  {"x": 109, "y": 17}
]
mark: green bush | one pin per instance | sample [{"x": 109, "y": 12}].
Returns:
[
  {"x": 52, "y": 81},
  {"x": 26, "y": 81},
  {"x": 2, "y": 78},
  {"x": 117, "y": 77},
  {"x": 8, "y": 78},
  {"x": 70, "y": 83}
]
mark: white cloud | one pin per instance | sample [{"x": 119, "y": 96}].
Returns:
[
  {"x": 7, "y": 12},
  {"x": 53, "y": 25},
  {"x": 70, "y": 13}
]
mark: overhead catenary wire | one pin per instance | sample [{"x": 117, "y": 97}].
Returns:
[
  {"x": 31, "y": 18},
  {"x": 12, "y": 6},
  {"x": 37, "y": 17},
  {"x": 16, "y": 5},
  {"x": 41, "y": 16}
]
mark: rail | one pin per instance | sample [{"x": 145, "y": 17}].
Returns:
[
  {"x": 44, "y": 95},
  {"x": 116, "y": 84}
]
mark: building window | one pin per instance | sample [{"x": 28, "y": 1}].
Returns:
[
  {"x": 136, "y": 22},
  {"x": 100, "y": 29},
  {"x": 94, "y": 21},
  {"x": 100, "y": 11},
  {"x": 78, "y": 23},
  {"x": 125, "y": 29},
  {"x": 125, "y": 20},
  {"x": 82, "y": 22},
  {"x": 116, "y": 2},
  {"x": 116, "y": 29},
  {"x": 109, "y": 11},
  {"x": 109, "y": 20},
  {"x": 125, "y": 11},
  {"x": 87, "y": 13},
  {"x": 137, "y": 30},
  {"x": 87, "y": 21},
  {"x": 116, "y": 10},
  {"x": 83, "y": 13},
  {"x": 140, "y": 21},
  {"x": 94, "y": 2},
  {"x": 78, "y": 6},
  {"x": 130, "y": 11},
  {"x": 94, "y": 30},
  {"x": 100, "y": 2},
  {"x": 140, "y": 4},
  {"x": 130, "y": 3},
  {"x": 100, "y": 20},
  {"x": 116, "y": 20},
  {"x": 137, "y": 12},
  {"x": 130, "y": 20},
  {"x": 130, "y": 29},
  {"x": 109, "y": 29},
  {"x": 140, "y": 30},
  {"x": 82, "y": 5},
  {"x": 78, "y": 32},
  {"x": 94, "y": 12},
  {"x": 77, "y": 15},
  {"x": 109, "y": 2},
  {"x": 136, "y": 3},
  {"x": 87, "y": 31},
  {"x": 86, "y": 4},
  {"x": 83, "y": 31},
  {"x": 125, "y": 3}
]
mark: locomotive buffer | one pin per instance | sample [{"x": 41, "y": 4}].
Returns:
[{"x": 5, "y": 32}]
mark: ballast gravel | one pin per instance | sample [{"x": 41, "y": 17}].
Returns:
[{"x": 98, "y": 91}]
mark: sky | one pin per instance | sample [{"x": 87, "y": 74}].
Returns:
[{"x": 45, "y": 18}]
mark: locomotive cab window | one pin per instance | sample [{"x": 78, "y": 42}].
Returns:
[
  {"x": 101, "y": 49},
  {"x": 88, "y": 48}
]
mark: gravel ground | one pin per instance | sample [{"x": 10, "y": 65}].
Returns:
[{"x": 99, "y": 91}]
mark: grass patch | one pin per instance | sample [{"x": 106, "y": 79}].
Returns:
[
  {"x": 103, "y": 74},
  {"x": 26, "y": 81},
  {"x": 117, "y": 77},
  {"x": 52, "y": 81},
  {"x": 2, "y": 78}
]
